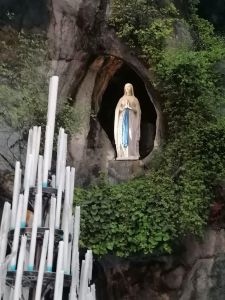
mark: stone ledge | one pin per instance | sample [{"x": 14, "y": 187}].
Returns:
[{"x": 123, "y": 170}]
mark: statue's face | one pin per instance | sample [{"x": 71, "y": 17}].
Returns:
[{"x": 128, "y": 89}]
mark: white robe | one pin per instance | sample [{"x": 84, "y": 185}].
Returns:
[{"x": 132, "y": 150}]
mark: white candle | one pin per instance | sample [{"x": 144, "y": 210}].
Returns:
[
  {"x": 52, "y": 100},
  {"x": 25, "y": 205},
  {"x": 67, "y": 197},
  {"x": 42, "y": 266},
  {"x": 89, "y": 296},
  {"x": 82, "y": 280},
  {"x": 59, "y": 155},
  {"x": 19, "y": 273},
  {"x": 51, "y": 235},
  {"x": 75, "y": 252},
  {"x": 25, "y": 292},
  {"x": 72, "y": 182},
  {"x": 93, "y": 291},
  {"x": 76, "y": 230},
  {"x": 84, "y": 276},
  {"x": 34, "y": 139},
  {"x": 59, "y": 202},
  {"x": 7, "y": 292},
  {"x": 28, "y": 171},
  {"x": 69, "y": 258},
  {"x": 39, "y": 188},
  {"x": 16, "y": 236},
  {"x": 46, "y": 157},
  {"x": 11, "y": 294},
  {"x": 35, "y": 153},
  {"x": 34, "y": 234},
  {"x": 63, "y": 163},
  {"x": 40, "y": 170},
  {"x": 4, "y": 231},
  {"x": 16, "y": 191},
  {"x": 66, "y": 238},
  {"x": 29, "y": 147},
  {"x": 75, "y": 270},
  {"x": 90, "y": 266},
  {"x": 53, "y": 182},
  {"x": 59, "y": 292},
  {"x": 59, "y": 267}
]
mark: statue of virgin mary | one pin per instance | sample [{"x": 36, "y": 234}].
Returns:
[{"x": 127, "y": 125}]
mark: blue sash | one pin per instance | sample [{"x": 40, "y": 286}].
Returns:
[{"x": 125, "y": 128}]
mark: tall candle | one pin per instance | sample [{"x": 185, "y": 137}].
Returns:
[
  {"x": 16, "y": 190},
  {"x": 40, "y": 170},
  {"x": 59, "y": 267},
  {"x": 5, "y": 223},
  {"x": 84, "y": 276},
  {"x": 19, "y": 273},
  {"x": 93, "y": 291},
  {"x": 59, "y": 292},
  {"x": 53, "y": 183},
  {"x": 4, "y": 231},
  {"x": 39, "y": 188},
  {"x": 66, "y": 238},
  {"x": 16, "y": 235},
  {"x": 35, "y": 153},
  {"x": 25, "y": 291},
  {"x": 34, "y": 139},
  {"x": 7, "y": 292},
  {"x": 68, "y": 266},
  {"x": 72, "y": 182},
  {"x": 26, "y": 191},
  {"x": 75, "y": 252},
  {"x": 29, "y": 148},
  {"x": 25, "y": 206},
  {"x": 52, "y": 100},
  {"x": 81, "y": 288},
  {"x": 63, "y": 162},
  {"x": 51, "y": 235},
  {"x": 76, "y": 230},
  {"x": 34, "y": 234},
  {"x": 42, "y": 266},
  {"x": 46, "y": 156},
  {"x": 59, "y": 202},
  {"x": 67, "y": 197},
  {"x": 59, "y": 155},
  {"x": 75, "y": 270}
]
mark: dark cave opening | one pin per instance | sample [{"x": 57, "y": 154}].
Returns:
[{"x": 110, "y": 98}]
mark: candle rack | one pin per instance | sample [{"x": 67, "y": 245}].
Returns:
[
  {"x": 44, "y": 242},
  {"x": 40, "y": 234},
  {"x": 30, "y": 279}
]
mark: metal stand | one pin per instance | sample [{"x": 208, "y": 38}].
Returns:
[{"x": 30, "y": 278}]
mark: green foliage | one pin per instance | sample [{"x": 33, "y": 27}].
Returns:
[
  {"x": 138, "y": 216},
  {"x": 148, "y": 214},
  {"x": 147, "y": 34},
  {"x": 24, "y": 80}
]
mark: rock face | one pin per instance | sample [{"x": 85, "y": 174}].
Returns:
[
  {"x": 86, "y": 54},
  {"x": 24, "y": 14},
  {"x": 195, "y": 273}
]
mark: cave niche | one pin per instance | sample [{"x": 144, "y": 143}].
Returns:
[
  {"x": 113, "y": 92},
  {"x": 92, "y": 147}
]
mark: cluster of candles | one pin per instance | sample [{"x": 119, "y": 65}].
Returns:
[{"x": 59, "y": 216}]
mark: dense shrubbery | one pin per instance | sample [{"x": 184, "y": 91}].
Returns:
[{"x": 146, "y": 215}]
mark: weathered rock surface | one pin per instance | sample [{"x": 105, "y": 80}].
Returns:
[
  {"x": 195, "y": 273},
  {"x": 86, "y": 53}
]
